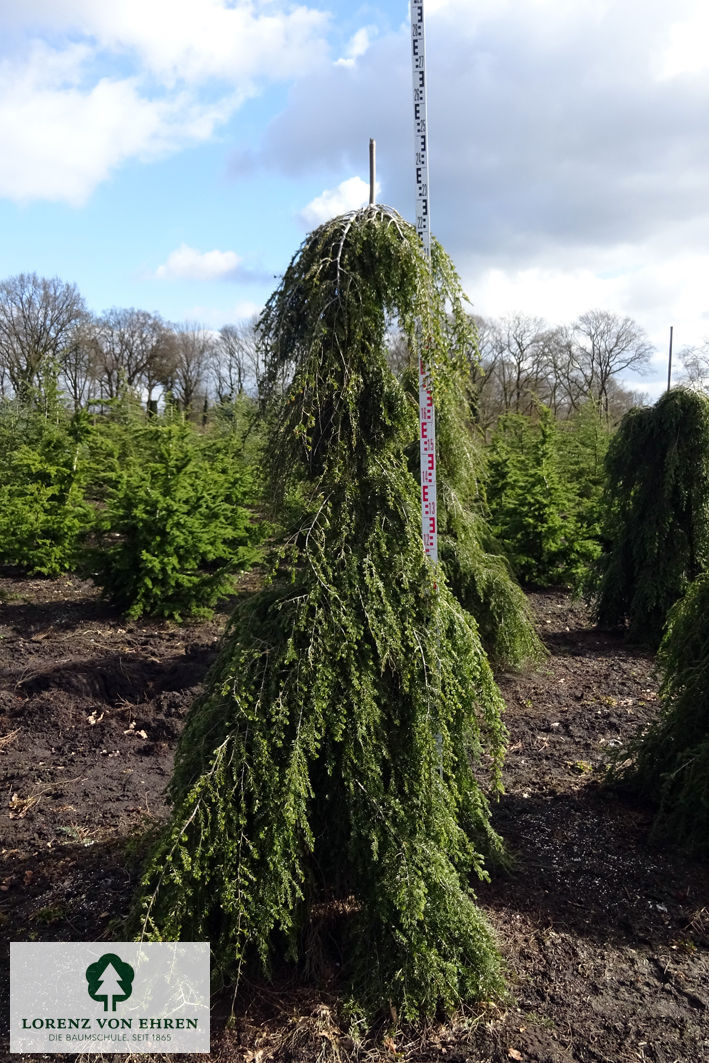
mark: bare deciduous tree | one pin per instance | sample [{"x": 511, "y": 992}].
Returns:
[
  {"x": 38, "y": 321},
  {"x": 605, "y": 345},
  {"x": 524, "y": 362},
  {"x": 79, "y": 370},
  {"x": 195, "y": 345},
  {"x": 236, "y": 362},
  {"x": 134, "y": 349},
  {"x": 695, "y": 362},
  {"x": 513, "y": 372}
]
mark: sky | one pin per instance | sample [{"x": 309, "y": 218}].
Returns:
[{"x": 172, "y": 155}]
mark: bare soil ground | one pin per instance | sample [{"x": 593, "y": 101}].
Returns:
[{"x": 606, "y": 936}]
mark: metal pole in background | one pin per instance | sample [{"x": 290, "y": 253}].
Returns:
[
  {"x": 427, "y": 413},
  {"x": 669, "y": 365},
  {"x": 372, "y": 170}
]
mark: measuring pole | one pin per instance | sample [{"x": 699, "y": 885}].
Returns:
[
  {"x": 427, "y": 413},
  {"x": 669, "y": 364}
]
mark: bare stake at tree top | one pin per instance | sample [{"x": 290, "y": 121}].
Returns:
[
  {"x": 372, "y": 170},
  {"x": 427, "y": 414},
  {"x": 669, "y": 363}
]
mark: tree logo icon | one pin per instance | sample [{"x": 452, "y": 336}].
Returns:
[{"x": 110, "y": 980}]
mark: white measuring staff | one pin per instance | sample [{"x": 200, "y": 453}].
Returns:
[{"x": 427, "y": 413}]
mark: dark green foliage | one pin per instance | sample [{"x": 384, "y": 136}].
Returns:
[
  {"x": 669, "y": 764},
  {"x": 582, "y": 444},
  {"x": 43, "y": 471},
  {"x": 657, "y": 510},
  {"x": 332, "y": 763},
  {"x": 174, "y": 524},
  {"x": 534, "y": 508}
]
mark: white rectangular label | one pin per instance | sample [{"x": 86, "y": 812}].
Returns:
[{"x": 101, "y": 996}]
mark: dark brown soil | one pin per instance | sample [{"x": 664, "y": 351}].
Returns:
[{"x": 606, "y": 935}]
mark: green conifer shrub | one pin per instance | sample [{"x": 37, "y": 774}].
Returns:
[
  {"x": 174, "y": 524},
  {"x": 657, "y": 513},
  {"x": 534, "y": 511},
  {"x": 334, "y": 762},
  {"x": 669, "y": 763},
  {"x": 43, "y": 473},
  {"x": 582, "y": 444}
]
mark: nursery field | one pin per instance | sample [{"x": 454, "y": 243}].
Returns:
[{"x": 606, "y": 936}]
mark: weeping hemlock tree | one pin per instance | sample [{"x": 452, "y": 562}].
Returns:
[
  {"x": 657, "y": 525},
  {"x": 670, "y": 762},
  {"x": 333, "y": 763}
]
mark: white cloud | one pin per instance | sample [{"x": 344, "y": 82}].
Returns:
[
  {"x": 537, "y": 291},
  {"x": 186, "y": 263},
  {"x": 59, "y": 140},
  {"x": 349, "y": 195},
  {"x": 245, "y": 309},
  {"x": 189, "y": 41},
  {"x": 686, "y": 51},
  {"x": 357, "y": 46},
  {"x": 133, "y": 79}
]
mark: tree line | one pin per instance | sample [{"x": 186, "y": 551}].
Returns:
[
  {"x": 525, "y": 362},
  {"x": 517, "y": 363},
  {"x": 46, "y": 329}
]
